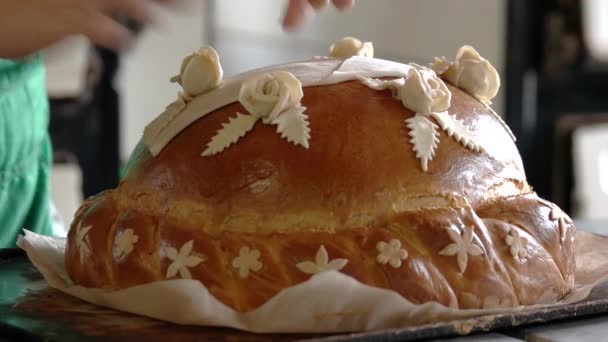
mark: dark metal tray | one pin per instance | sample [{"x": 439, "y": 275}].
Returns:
[{"x": 30, "y": 310}]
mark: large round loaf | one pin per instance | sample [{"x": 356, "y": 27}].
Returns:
[{"x": 266, "y": 214}]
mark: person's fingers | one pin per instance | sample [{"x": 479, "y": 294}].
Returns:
[
  {"x": 343, "y": 5},
  {"x": 298, "y": 13},
  {"x": 105, "y": 31},
  {"x": 318, "y": 5},
  {"x": 136, "y": 9},
  {"x": 184, "y": 6}
]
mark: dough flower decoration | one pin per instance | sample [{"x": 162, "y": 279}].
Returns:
[
  {"x": 82, "y": 242},
  {"x": 272, "y": 98},
  {"x": 348, "y": 47},
  {"x": 182, "y": 261},
  {"x": 321, "y": 263},
  {"x": 124, "y": 242},
  {"x": 391, "y": 253},
  {"x": 424, "y": 93},
  {"x": 473, "y": 74},
  {"x": 199, "y": 73},
  {"x": 248, "y": 260},
  {"x": 517, "y": 244},
  {"x": 462, "y": 246},
  {"x": 469, "y": 72}
]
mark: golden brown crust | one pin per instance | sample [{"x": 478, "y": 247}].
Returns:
[
  {"x": 494, "y": 278},
  {"x": 360, "y": 168},
  {"x": 358, "y": 184}
]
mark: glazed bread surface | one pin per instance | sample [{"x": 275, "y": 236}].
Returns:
[{"x": 265, "y": 215}]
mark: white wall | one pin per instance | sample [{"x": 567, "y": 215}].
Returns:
[
  {"x": 148, "y": 66},
  {"x": 249, "y": 34},
  {"x": 590, "y": 154},
  {"x": 407, "y": 28}
]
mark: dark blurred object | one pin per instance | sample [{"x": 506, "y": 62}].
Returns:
[
  {"x": 562, "y": 49},
  {"x": 552, "y": 87},
  {"x": 87, "y": 128}
]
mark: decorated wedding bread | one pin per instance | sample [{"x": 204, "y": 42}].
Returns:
[{"x": 400, "y": 176}]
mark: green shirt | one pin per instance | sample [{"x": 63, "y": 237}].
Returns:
[{"x": 25, "y": 150}]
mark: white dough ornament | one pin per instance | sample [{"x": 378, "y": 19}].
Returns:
[
  {"x": 563, "y": 220},
  {"x": 82, "y": 242},
  {"x": 200, "y": 72},
  {"x": 394, "y": 85},
  {"x": 247, "y": 261},
  {"x": 124, "y": 242},
  {"x": 348, "y": 47},
  {"x": 428, "y": 97},
  {"x": 462, "y": 246},
  {"x": 391, "y": 253},
  {"x": 458, "y": 130},
  {"x": 425, "y": 93},
  {"x": 321, "y": 263},
  {"x": 182, "y": 261},
  {"x": 473, "y": 74},
  {"x": 273, "y": 98},
  {"x": 517, "y": 245},
  {"x": 425, "y": 137},
  {"x": 155, "y": 128}
]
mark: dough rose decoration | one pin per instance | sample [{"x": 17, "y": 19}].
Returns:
[
  {"x": 199, "y": 73},
  {"x": 473, "y": 74},
  {"x": 348, "y": 47},
  {"x": 424, "y": 93},
  {"x": 273, "y": 98}
]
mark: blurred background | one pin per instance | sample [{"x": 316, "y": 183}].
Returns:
[{"x": 552, "y": 56}]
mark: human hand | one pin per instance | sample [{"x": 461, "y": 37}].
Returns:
[
  {"x": 27, "y": 26},
  {"x": 299, "y": 12}
]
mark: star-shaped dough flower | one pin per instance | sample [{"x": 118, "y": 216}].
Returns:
[
  {"x": 391, "y": 253},
  {"x": 182, "y": 260},
  {"x": 123, "y": 242},
  {"x": 462, "y": 246},
  {"x": 321, "y": 263},
  {"x": 82, "y": 242},
  {"x": 248, "y": 260}
]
